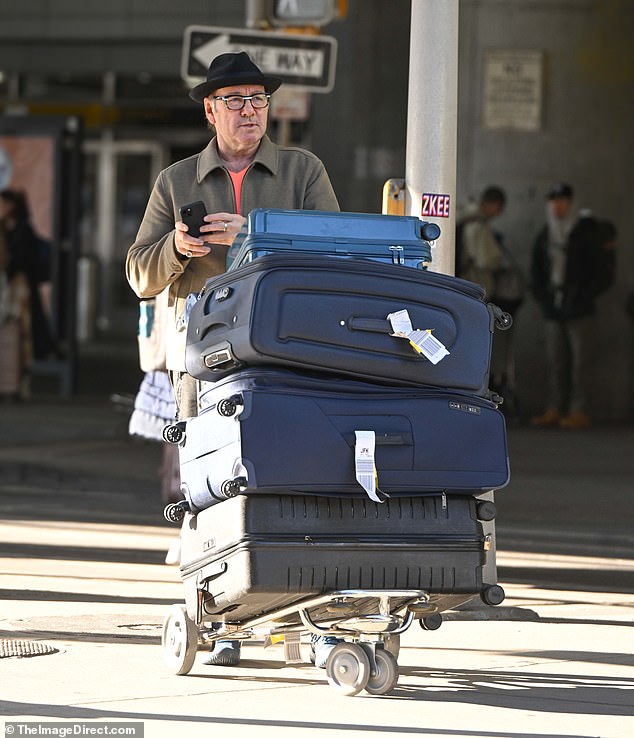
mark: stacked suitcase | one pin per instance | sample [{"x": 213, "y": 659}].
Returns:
[{"x": 329, "y": 453}]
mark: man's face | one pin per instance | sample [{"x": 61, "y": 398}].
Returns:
[
  {"x": 237, "y": 130},
  {"x": 491, "y": 208},
  {"x": 560, "y": 207}
]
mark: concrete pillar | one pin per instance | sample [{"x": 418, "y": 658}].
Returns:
[{"x": 432, "y": 122}]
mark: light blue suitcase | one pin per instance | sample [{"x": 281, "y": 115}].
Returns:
[{"x": 391, "y": 239}]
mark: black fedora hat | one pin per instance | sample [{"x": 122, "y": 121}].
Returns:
[{"x": 233, "y": 69}]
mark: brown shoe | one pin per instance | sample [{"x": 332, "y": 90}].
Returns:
[
  {"x": 575, "y": 421},
  {"x": 550, "y": 419}
]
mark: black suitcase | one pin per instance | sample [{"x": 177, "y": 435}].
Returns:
[
  {"x": 325, "y": 314},
  {"x": 277, "y": 431},
  {"x": 255, "y": 555}
]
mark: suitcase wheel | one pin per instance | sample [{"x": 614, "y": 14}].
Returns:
[
  {"x": 174, "y": 433},
  {"x": 492, "y": 595},
  {"x": 503, "y": 321},
  {"x": 228, "y": 407},
  {"x": 179, "y": 640},
  {"x": 233, "y": 487},
  {"x": 175, "y": 512},
  {"x": 486, "y": 510}
]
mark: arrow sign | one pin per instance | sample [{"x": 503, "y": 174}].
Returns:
[{"x": 305, "y": 61}]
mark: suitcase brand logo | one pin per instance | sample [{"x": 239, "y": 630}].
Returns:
[
  {"x": 222, "y": 294},
  {"x": 464, "y": 407}
]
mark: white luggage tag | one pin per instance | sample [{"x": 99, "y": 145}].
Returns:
[
  {"x": 421, "y": 341},
  {"x": 364, "y": 465}
]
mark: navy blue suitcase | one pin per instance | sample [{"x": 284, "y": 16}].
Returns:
[
  {"x": 280, "y": 432},
  {"x": 391, "y": 239},
  {"x": 320, "y": 314}
]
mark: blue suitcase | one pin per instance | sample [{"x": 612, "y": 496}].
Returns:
[
  {"x": 282, "y": 432},
  {"x": 320, "y": 314},
  {"x": 391, "y": 239}
]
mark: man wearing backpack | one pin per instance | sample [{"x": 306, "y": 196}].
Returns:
[
  {"x": 482, "y": 257},
  {"x": 572, "y": 263}
]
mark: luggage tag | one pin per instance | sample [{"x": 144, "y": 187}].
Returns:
[
  {"x": 421, "y": 341},
  {"x": 183, "y": 320},
  {"x": 364, "y": 466}
]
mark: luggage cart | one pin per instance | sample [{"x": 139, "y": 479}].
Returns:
[
  {"x": 368, "y": 620},
  {"x": 366, "y": 657}
]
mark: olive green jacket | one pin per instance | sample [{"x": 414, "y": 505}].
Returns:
[{"x": 279, "y": 177}]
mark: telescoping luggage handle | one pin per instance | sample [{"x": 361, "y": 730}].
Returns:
[{"x": 399, "y": 324}]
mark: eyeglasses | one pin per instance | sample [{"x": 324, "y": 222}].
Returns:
[{"x": 236, "y": 102}]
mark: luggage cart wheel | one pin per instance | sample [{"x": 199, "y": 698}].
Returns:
[
  {"x": 179, "y": 640},
  {"x": 431, "y": 622},
  {"x": 229, "y": 405},
  {"x": 348, "y": 668},
  {"x": 174, "y": 433},
  {"x": 384, "y": 679}
]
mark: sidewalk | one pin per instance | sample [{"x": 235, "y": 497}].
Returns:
[{"x": 82, "y": 545}]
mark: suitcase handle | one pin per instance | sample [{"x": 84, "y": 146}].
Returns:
[
  {"x": 384, "y": 439},
  {"x": 370, "y": 325}
]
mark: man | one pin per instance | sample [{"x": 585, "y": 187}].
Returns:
[
  {"x": 478, "y": 251},
  {"x": 240, "y": 169},
  {"x": 482, "y": 257},
  {"x": 566, "y": 277}
]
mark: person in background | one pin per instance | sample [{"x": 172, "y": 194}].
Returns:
[
  {"x": 478, "y": 252},
  {"x": 483, "y": 257},
  {"x": 16, "y": 350},
  {"x": 25, "y": 257},
  {"x": 567, "y": 273},
  {"x": 239, "y": 170}
]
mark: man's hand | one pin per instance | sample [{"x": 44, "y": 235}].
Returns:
[{"x": 218, "y": 228}]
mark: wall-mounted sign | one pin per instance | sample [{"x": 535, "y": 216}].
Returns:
[{"x": 512, "y": 90}]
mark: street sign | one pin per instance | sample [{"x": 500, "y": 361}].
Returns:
[{"x": 302, "y": 60}]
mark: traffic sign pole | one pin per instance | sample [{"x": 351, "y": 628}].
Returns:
[{"x": 432, "y": 122}]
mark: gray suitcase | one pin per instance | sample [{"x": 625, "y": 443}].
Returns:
[{"x": 254, "y": 555}]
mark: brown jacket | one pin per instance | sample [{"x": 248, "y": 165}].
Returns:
[{"x": 279, "y": 177}]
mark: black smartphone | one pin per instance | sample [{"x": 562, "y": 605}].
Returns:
[{"x": 193, "y": 215}]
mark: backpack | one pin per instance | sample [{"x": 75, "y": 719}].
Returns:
[
  {"x": 510, "y": 283},
  {"x": 606, "y": 254}
]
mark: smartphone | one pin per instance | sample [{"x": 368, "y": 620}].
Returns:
[{"x": 193, "y": 215}]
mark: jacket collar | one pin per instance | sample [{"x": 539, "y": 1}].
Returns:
[{"x": 209, "y": 158}]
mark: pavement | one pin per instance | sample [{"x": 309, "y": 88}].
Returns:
[{"x": 83, "y": 581}]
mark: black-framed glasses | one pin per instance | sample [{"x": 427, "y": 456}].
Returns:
[{"x": 236, "y": 102}]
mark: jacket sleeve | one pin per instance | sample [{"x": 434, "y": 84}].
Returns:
[
  {"x": 152, "y": 262},
  {"x": 540, "y": 277}
]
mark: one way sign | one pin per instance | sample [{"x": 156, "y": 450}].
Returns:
[{"x": 304, "y": 61}]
